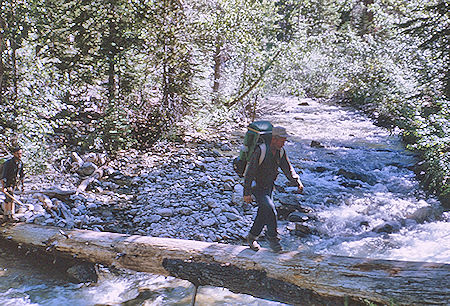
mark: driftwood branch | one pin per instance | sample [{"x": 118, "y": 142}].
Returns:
[
  {"x": 94, "y": 176},
  {"x": 55, "y": 192},
  {"x": 291, "y": 277},
  {"x": 13, "y": 198}
]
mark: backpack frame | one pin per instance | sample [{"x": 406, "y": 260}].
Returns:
[{"x": 258, "y": 132}]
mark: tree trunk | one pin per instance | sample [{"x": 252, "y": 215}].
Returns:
[
  {"x": 263, "y": 71},
  {"x": 217, "y": 66},
  {"x": 111, "y": 58},
  {"x": 14, "y": 68},
  {"x": 299, "y": 278},
  {"x": 2, "y": 49}
]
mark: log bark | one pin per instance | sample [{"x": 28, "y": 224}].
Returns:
[{"x": 299, "y": 278}]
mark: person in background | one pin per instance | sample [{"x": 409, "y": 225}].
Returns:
[
  {"x": 264, "y": 174},
  {"x": 12, "y": 177}
]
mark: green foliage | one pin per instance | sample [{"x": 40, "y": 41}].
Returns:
[
  {"x": 110, "y": 75},
  {"x": 428, "y": 133},
  {"x": 115, "y": 131},
  {"x": 147, "y": 129}
]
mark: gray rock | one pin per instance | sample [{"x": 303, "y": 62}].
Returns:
[
  {"x": 231, "y": 216},
  {"x": 91, "y": 158},
  {"x": 217, "y": 211},
  {"x": 185, "y": 211},
  {"x": 302, "y": 230},
  {"x": 209, "y": 222},
  {"x": 27, "y": 216},
  {"x": 76, "y": 158},
  {"x": 212, "y": 203},
  {"x": 65, "y": 211},
  {"x": 228, "y": 179},
  {"x": 233, "y": 210},
  {"x": 424, "y": 214},
  {"x": 226, "y": 147},
  {"x": 38, "y": 219},
  {"x": 165, "y": 212},
  {"x": 316, "y": 144},
  {"x": 98, "y": 228},
  {"x": 237, "y": 198},
  {"x": 388, "y": 227},
  {"x": 228, "y": 186},
  {"x": 297, "y": 216},
  {"x": 107, "y": 213},
  {"x": 363, "y": 177},
  {"x": 83, "y": 273},
  {"x": 212, "y": 236},
  {"x": 92, "y": 206}
]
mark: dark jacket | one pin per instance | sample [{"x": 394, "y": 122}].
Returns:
[
  {"x": 12, "y": 172},
  {"x": 266, "y": 173}
]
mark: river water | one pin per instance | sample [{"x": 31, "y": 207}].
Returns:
[{"x": 363, "y": 201}]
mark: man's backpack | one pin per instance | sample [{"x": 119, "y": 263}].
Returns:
[{"x": 258, "y": 132}]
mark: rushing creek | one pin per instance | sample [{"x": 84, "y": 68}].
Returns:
[{"x": 360, "y": 189}]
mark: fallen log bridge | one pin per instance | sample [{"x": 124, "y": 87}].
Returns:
[{"x": 298, "y": 278}]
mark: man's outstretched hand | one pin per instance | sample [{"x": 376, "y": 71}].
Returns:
[{"x": 248, "y": 199}]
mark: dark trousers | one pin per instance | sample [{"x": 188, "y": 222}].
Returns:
[{"x": 266, "y": 215}]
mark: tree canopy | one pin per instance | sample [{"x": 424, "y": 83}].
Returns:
[{"x": 110, "y": 75}]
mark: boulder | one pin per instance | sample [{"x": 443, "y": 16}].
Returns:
[
  {"x": 165, "y": 212},
  {"x": 83, "y": 273},
  {"x": 388, "y": 227},
  {"x": 316, "y": 144},
  {"x": 297, "y": 216}
]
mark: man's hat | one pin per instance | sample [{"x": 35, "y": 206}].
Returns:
[{"x": 279, "y": 131}]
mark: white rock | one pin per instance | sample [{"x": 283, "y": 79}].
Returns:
[
  {"x": 222, "y": 219},
  {"x": 238, "y": 188},
  {"x": 217, "y": 211},
  {"x": 209, "y": 222}
]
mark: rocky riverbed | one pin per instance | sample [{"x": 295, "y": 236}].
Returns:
[{"x": 183, "y": 190}]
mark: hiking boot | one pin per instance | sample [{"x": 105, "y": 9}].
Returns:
[
  {"x": 251, "y": 240},
  {"x": 274, "y": 243}
]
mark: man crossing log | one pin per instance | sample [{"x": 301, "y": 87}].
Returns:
[{"x": 263, "y": 169}]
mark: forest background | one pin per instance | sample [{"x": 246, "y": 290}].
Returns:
[{"x": 110, "y": 75}]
